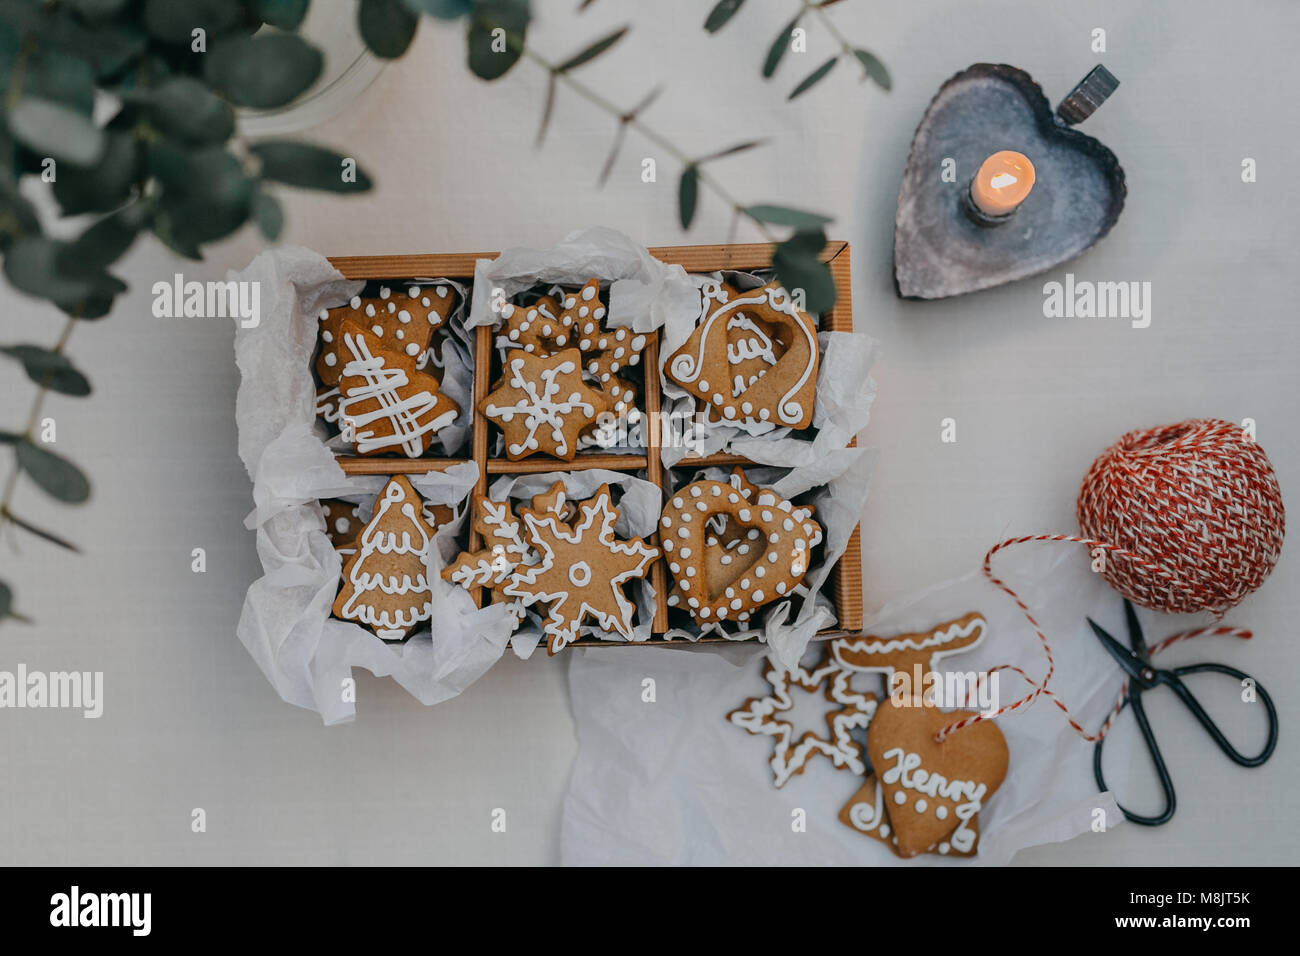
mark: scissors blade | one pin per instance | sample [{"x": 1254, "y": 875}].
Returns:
[
  {"x": 1131, "y": 665},
  {"x": 1135, "y": 640}
]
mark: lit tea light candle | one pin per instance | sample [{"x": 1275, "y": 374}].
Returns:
[{"x": 1002, "y": 183}]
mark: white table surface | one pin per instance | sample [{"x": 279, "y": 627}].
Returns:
[{"x": 190, "y": 722}]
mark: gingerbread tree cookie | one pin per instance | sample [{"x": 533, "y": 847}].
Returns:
[
  {"x": 752, "y": 358},
  {"x": 385, "y": 582},
  {"x": 542, "y": 404},
  {"x": 385, "y": 402}
]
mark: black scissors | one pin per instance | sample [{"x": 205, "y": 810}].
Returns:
[{"x": 1143, "y": 677}]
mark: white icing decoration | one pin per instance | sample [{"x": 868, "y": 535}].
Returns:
[
  {"x": 374, "y": 540},
  {"x": 383, "y": 385},
  {"x": 541, "y": 409}
]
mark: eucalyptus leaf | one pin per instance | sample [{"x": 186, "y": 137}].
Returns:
[
  {"x": 307, "y": 166},
  {"x": 19, "y": 217},
  {"x": 31, "y": 265},
  {"x": 285, "y": 14},
  {"x": 731, "y": 151},
  {"x": 183, "y": 108},
  {"x": 785, "y": 216},
  {"x": 173, "y": 21},
  {"x": 58, "y": 477},
  {"x": 268, "y": 215},
  {"x": 778, "y": 48},
  {"x": 97, "y": 9},
  {"x": 491, "y": 53},
  {"x": 6, "y": 601},
  {"x": 108, "y": 47},
  {"x": 591, "y": 52},
  {"x": 49, "y": 369},
  {"x": 101, "y": 244},
  {"x": 442, "y": 9},
  {"x": 106, "y": 184},
  {"x": 53, "y": 129},
  {"x": 206, "y": 193},
  {"x": 813, "y": 78},
  {"x": 10, "y": 438},
  {"x": 873, "y": 68},
  {"x": 688, "y": 191},
  {"x": 387, "y": 26},
  {"x": 797, "y": 265},
  {"x": 548, "y": 106},
  {"x": 60, "y": 77},
  {"x": 722, "y": 11},
  {"x": 263, "y": 71}
]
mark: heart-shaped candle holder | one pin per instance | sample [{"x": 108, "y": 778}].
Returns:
[{"x": 940, "y": 247}]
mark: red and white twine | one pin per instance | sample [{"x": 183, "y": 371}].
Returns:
[{"x": 1189, "y": 517}]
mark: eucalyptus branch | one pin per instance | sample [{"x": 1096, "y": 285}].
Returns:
[{"x": 632, "y": 119}]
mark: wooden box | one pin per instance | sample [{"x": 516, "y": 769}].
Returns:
[{"x": 845, "y": 581}]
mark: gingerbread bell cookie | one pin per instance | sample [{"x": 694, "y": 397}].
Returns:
[
  {"x": 560, "y": 556},
  {"x": 385, "y": 581},
  {"x": 753, "y": 358},
  {"x": 542, "y": 404},
  {"x": 385, "y": 402},
  {"x": 732, "y": 548}
]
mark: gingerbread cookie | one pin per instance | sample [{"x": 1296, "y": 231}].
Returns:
[
  {"x": 398, "y": 323},
  {"x": 911, "y": 655},
  {"x": 753, "y": 358},
  {"x": 384, "y": 401},
  {"x": 934, "y": 790},
  {"x": 542, "y": 404},
  {"x": 385, "y": 582},
  {"x": 547, "y": 326},
  {"x": 582, "y": 570},
  {"x": 342, "y": 524},
  {"x": 732, "y": 548},
  {"x": 560, "y": 556},
  {"x": 758, "y": 715},
  {"x": 867, "y": 813}
]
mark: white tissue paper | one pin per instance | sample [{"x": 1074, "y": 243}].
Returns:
[
  {"x": 672, "y": 781},
  {"x": 285, "y": 623}
]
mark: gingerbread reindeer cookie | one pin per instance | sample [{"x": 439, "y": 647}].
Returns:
[{"x": 753, "y": 358}]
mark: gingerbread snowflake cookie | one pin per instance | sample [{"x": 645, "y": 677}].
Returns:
[
  {"x": 385, "y": 403},
  {"x": 732, "y": 548},
  {"x": 578, "y": 320},
  {"x": 385, "y": 580},
  {"x": 851, "y": 710},
  {"x": 542, "y": 404},
  {"x": 752, "y": 358},
  {"x": 562, "y": 557},
  {"x": 401, "y": 321}
]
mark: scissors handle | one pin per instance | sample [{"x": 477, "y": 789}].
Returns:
[
  {"x": 1171, "y": 677},
  {"x": 1134, "y": 702}
]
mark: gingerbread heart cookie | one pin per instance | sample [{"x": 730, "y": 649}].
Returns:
[
  {"x": 385, "y": 403},
  {"x": 867, "y": 813},
  {"x": 385, "y": 582},
  {"x": 399, "y": 323},
  {"x": 753, "y": 358},
  {"x": 732, "y": 547},
  {"x": 542, "y": 404},
  {"x": 933, "y": 790}
]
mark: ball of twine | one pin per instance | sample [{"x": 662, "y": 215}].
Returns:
[{"x": 1192, "y": 514}]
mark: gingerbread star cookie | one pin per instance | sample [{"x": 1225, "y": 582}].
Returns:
[
  {"x": 582, "y": 570},
  {"x": 753, "y": 358},
  {"x": 504, "y": 549},
  {"x": 542, "y": 404},
  {"x": 399, "y": 321},
  {"x": 385, "y": 403},
  {"x": 853, "y": 710}
]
